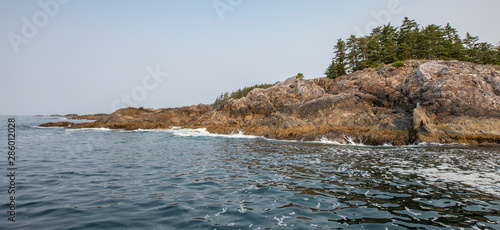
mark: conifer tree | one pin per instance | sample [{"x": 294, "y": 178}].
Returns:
[
  {"x": 354, "y": 53},
  {"x": 485, "y": 53},
  {"x": 452, "y": 43},
  {"x": 431, "y": 42},
  {"x": 330, "y": 71},
  {"x": 470, "y": 44},
  {"x": 375, "y": 48},
  {"x": 408, "y": 33},
  {"x": 364, "y": 52},
  {"x": 388, "y": 44},
  {"x": 340, "y": 58}
]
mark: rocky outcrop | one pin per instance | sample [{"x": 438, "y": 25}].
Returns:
[
  {"x": 422, "y": 101},
  {"x": 138, "y": 118},
  {"x": 96, "y": 116}
]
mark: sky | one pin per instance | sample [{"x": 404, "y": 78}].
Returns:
[{"x": 96, "y": 56}]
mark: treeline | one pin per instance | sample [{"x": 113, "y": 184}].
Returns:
[
  {"x": 223, "y": 97},
  {"x": 387, "y": 44}
]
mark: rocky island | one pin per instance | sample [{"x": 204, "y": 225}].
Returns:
[{"x": 420, "y": 101}]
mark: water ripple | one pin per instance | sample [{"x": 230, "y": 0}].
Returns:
[{"x": 107, "y": 179}]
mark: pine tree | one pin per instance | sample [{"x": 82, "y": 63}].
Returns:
[
  {"x": 354, "y": 53},
  {"x": 431, "y": 42},
  {"x": 408, "y": 33},
  {"x": 452, "y": 43},
  {"x": 375, "y": 48},
  {"x": 330, "y": 71},
  {"x": 388, "y": 37},
  {"x": 387, "y": 44},
  {"x": 404, "y": 51},
  {"x": 471, "y": 48},
  {"x": 485, "y": 53},
  {"x": 340, "y": 58},
  {"x": 364, "y": 52}
]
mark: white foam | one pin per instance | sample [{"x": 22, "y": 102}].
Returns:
[
  {"x": 41, "y": 127},
  {"x": 488, "y": 182},
  {"x": 346, "y": 140},
  {"x": 91, "y": 129},
  {"x": 147, "y": 130},
  {"x": 425, "y": 144},
  {"x": 202, "y": 132}
]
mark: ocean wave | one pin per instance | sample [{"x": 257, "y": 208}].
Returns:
[
  {"x": 202, "y": 132},
  {"x": 40, "y": 127},
  {"x": 345, "y": 140},
  {"x": 89, "y": 129}
]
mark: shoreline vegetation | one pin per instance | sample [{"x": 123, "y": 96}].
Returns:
[
  {"x": 377, "y": 91},
  {"x": 223, "y": 97}
]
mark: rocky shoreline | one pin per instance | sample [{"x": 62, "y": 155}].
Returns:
[{"x": 422, "y": 101}]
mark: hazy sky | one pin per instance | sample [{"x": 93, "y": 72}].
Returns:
[{"x": 95, "y": 56}]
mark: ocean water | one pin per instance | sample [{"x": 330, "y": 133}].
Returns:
[{"x": 189, "y": 179}]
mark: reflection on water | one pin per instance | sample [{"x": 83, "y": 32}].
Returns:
[
  {"x": 103, "y": 179},
  {"x": 370, "y": 186}
]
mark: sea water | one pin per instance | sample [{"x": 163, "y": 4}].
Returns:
[{"x": 191, "y": 179}]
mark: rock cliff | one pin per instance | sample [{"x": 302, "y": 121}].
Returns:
[{"x": 422, "y": 101}]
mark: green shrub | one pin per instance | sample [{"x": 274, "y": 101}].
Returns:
[
  {"x": 398, "y": 64},
  {"x": 239, "y": 93}
]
